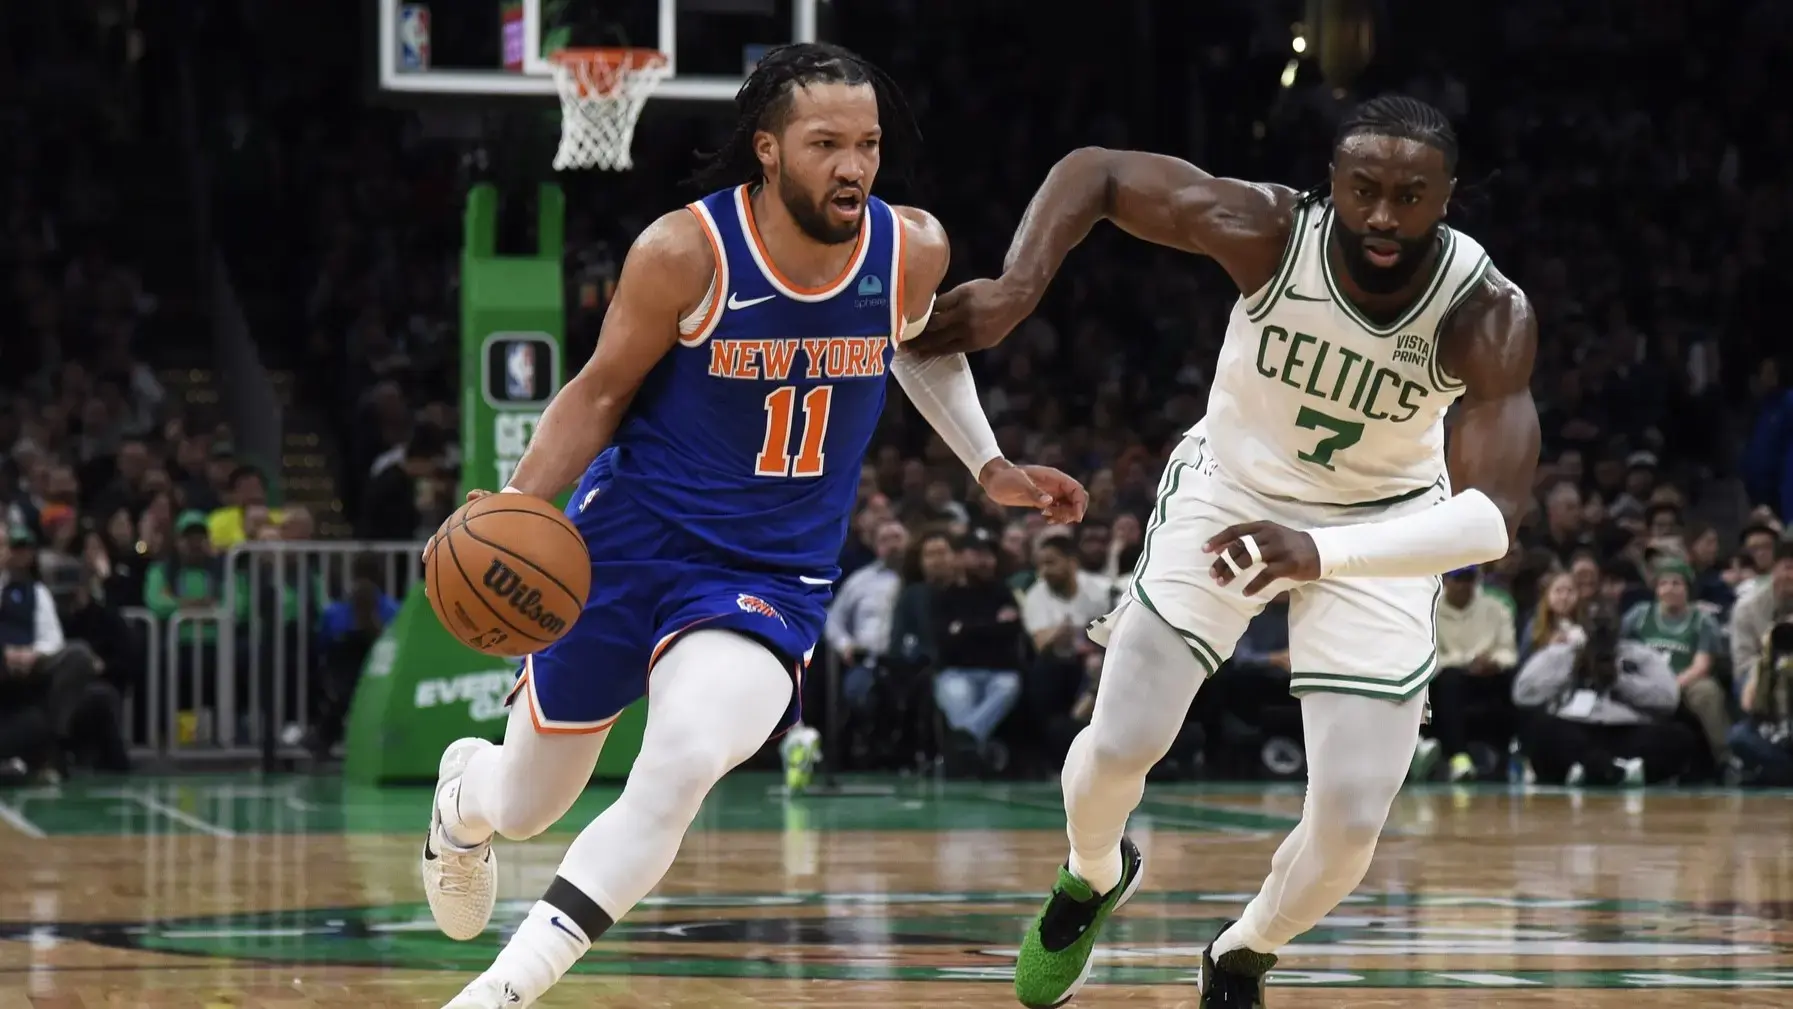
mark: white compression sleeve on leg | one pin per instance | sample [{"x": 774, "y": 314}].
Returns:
[
  {"x": 714, "y": 698},
  {"x": 1149, "y": 679},
  {"x": 521, "y": 788},
  {"x": 944, "y": 393},
  {"x": 1358, "y": 753},
  {"x": 1467, "y": 529}
]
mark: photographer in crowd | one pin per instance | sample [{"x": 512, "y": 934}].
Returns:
[{"x": 1601, "y": 712}]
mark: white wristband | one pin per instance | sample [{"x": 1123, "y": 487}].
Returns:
[{"x": 1467, "y": 529}]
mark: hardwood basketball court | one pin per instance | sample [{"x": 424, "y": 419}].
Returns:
[{"x": 298, "y": 892}]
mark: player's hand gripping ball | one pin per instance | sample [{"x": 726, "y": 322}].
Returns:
[{"x": 507, "y": 574}]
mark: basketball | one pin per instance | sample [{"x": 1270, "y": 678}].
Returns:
[{"x": 507, "y": 575}]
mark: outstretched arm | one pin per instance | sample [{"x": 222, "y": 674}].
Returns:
[
  {"x": 667, "y": 271},
  {"x": 1488, "y": 344},
  {"x": 1151, "y": 196},
  {"x": 945, "y": 394}
]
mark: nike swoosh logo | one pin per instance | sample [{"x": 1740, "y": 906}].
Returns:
[
  {"x": 557, "y": 923},
  {"x": 1302, "y": 297},
  {"x": 735, "y": 303}
]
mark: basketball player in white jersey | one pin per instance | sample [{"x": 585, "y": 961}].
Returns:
[{"x": 1320, "y": 468}]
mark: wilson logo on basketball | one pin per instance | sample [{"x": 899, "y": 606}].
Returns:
[{"x": 511, "y": 587}]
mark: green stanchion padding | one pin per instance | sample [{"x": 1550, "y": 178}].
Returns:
[{"x": 421, "y": 688}]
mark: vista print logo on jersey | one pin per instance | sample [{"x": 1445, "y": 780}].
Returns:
[{"x": 1411, "y": 348}]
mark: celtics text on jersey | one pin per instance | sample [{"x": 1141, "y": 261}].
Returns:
[{"x": 1312, "y": 401}]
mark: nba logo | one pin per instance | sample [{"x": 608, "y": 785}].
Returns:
[
  {"x": 519, "y": 371},
  {"x": 413, "y": 37}
]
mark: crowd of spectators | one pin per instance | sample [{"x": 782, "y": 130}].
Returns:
[{"x": 1642, "y": 201}]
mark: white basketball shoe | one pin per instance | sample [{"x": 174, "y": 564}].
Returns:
[
  {"x": 460, "y": 882},
  {"x": 487, "y": 992}
]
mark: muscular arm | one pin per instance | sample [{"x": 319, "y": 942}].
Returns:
[
  {"x": 1161, "y": 199},
  {"x": 1490, "y": 344},
  {"x": 667, "y": 271},
  {"x": 1243, "y": 226}
]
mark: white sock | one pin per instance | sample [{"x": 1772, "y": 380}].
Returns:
[
  {"x": 1237, "y": 936},
  {"x": 544, "y": 947},
  {"x": 1102, "y": 874}
]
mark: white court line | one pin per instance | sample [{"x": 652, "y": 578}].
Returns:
[
  {"x": 17, "y": 820},
  {"x": 186, "y": 819}
]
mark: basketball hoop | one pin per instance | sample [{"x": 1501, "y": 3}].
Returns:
[{"x": 602, "y": 92}]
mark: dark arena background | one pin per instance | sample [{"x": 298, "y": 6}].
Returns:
[{"x": 279, "y": 280}]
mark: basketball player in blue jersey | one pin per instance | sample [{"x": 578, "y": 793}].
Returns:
[{"x": 720, "y": 426}]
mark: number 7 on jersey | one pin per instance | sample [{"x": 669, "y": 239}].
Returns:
[
  {"x": 1345, "y": 433},
  {"x": 774, "y": 458}
]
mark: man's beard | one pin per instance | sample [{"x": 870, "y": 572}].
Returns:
[
  {"x": 812, "y": 218},
  {"x": 1375, "y": 279}
]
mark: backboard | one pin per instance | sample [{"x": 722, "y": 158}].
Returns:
[{"x": 497, "y": 48}]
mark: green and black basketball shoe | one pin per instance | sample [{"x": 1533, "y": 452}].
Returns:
[
  {"x": 1236, "y": 979},
  {"x": 1055, "y": 953}
]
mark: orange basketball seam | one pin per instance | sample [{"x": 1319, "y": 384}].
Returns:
[
  {"x": 474, "y": 590},
  {"x": 566, "y": 527},
  {"x": 507, "y": 551}
]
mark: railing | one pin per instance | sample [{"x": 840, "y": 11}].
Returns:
[
  {"x": 234, "y": 681},
  {"x": 145, "y": 737}
]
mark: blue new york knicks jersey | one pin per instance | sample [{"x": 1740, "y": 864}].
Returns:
[
  {"x": 749, "y": 433},
  {"x": 724, "y": 499}
]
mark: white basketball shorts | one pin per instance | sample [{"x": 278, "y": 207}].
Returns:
[{"x": 1372, "y": 636}]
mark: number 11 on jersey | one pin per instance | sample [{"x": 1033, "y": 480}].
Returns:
[{"x": 774, "y": 458}]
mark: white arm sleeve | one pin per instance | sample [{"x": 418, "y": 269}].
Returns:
[
  {"x": 1467, "y": 529},
  {"x": 943, "y": 391}
]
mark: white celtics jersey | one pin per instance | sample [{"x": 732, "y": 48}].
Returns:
[{"x": 1314, "y": 402}]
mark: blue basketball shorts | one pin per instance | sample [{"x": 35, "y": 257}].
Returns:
[{"x": 643, "y": 599}]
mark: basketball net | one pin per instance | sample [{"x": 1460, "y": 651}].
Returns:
[{"x": 602, "y": 92}]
